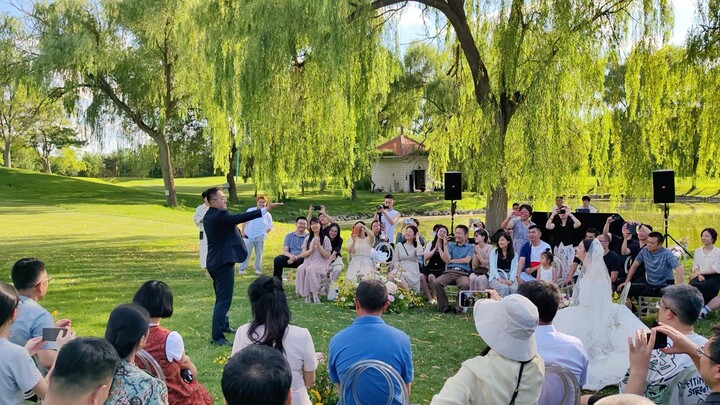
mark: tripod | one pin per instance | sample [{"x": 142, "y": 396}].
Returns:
[{"x": 666, "y": 215}]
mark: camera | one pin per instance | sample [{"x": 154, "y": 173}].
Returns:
[
  {"x": 615, "y": 217},
  {"x": 317, "y": 207},
  {"x": 562, "y": 211},
  {"x": 468, "y": 299},
  {"x": 379, "y": 207},
  {"x": 409, "y": 221}
]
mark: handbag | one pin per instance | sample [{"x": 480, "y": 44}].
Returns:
[{"x": 481, "y": 271}]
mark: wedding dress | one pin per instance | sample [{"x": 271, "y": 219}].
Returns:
[{"x": 601, "y": 325}]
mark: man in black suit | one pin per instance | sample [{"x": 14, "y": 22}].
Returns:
[{"x": 225, "y": 248}]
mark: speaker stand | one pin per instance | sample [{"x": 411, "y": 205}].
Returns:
[
  {"x": 453, "y": 205},
  {"x": 666, "y": 215}
]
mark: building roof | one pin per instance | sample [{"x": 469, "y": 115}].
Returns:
[{"x": 401, "y": 146}]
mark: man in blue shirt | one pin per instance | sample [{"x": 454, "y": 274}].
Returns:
[
  {"x": 457, "y": 258},
  {"x": 370, "y": 338},
  {"x": 292, "y": 247},
  {"x": 659, "y": 263}
]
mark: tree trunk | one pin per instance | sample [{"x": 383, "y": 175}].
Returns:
[
  {"x": 167, "y": 172},
  {"x": 46, "y": 164},
  {"x": 353, "y": 193},
  {"x": 497, "y": 203},
  {"x": 232, "y": 187},
  {"x": 6, "y": 155}
]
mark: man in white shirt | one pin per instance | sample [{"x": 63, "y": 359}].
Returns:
[
  {"x": 254, "y": 234},
  {"x": 529, "y": 256},
  {"x": 586, "y": 206},
  {"x": 554, "y": 347},
  {"x": 198, "y": 219},
  {"x": 679, "y": 307},
  {"x": 388, "y": 216}
]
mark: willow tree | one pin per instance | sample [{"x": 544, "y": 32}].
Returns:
[
  {"x": 303, "y": 84},
  {"x": 135, "y": 58}
]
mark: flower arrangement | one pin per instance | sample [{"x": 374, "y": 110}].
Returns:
[
  {"x": 401, "y": 299},
  {"x": 323, "y": 392}
]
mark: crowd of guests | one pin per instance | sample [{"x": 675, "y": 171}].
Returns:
[{"x": 274, "y": 362}]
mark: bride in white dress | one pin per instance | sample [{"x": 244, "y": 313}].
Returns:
[{"x": 601, "y": 325}]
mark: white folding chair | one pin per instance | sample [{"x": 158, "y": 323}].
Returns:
[
  {"x": 352, "y": 375},
  {"x": 560, "y": 387}
]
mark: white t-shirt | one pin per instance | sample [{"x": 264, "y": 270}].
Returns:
[
  {"x": 18, "y": 372},
  {"x": 258, "y": 226},
  {"x": 389, "y": 229},
  {"x": 299, "y": 353},
  {"x": 200, "y": 212},
  {"x": 546, "y": 273},
  {"x": 664, "y": 367},
  {"x": 707, "y": 261}
]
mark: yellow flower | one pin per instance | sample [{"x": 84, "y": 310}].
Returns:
[{"x": 54, "y": 313}]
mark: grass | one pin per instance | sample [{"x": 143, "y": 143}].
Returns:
[{"x": 101, "y": 240}]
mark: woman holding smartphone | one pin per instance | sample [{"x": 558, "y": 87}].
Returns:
[
  {"x": 434, "y": 264},
  {"x": 360, "y": 248},
  {"x": 407, "y": 268}
]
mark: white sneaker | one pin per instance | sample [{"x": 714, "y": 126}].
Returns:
[
  {"x": 241, "y": 272},
  {"x": 258, "y": 273}
]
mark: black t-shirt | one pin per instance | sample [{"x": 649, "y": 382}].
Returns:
[
  {"x": 563, "y": 234},
  {"x": 435, "y": 262},
  {"x": 613, "y": 263},
  {"x": 337, "y": 245},
  {"x": 503, "y": 264}
]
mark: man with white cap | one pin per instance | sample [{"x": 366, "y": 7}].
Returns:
[{"x": 509, "y": 371}]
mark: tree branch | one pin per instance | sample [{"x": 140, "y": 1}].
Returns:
[{"x": 106, "y": 88}]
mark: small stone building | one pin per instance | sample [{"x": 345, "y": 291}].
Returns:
[{"x": 401, "y": 167}]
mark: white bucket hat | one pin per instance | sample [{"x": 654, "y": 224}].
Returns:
[{"x": 508, "y": 326}]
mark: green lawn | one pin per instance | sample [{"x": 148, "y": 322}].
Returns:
[{"x": 101, "y": 240}]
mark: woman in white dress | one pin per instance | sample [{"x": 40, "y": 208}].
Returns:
[
  {"x": 360, "y": 248},
  {"x": 407, "y": 268},
  {"x": 601, "y": 325},
  {"x": 271, "y": 327}
]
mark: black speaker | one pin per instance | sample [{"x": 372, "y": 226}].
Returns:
[
  {"x": 453, "y": 185},
  {"x": 663, "y": 186}
]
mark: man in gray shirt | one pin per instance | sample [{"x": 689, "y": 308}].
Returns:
[
  {"x": 31, "y": 281},
  {"x": 659, "y": 263}
]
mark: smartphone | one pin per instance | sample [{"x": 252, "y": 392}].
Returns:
[
  {"x": 51, "y": 334},
  {"x": 562, "y": 211},
  {"x": 632, "y": 228},
  {"x": 615, "y": 217},
  {"x": 467, "y": 298},
  {"x": 660, "y": 338},
  {"x": 317, "y": 207},
  {"x": 355, "y": 230},
  {"x": 409, "y": 221}
]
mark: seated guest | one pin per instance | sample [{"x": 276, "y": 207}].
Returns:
[
  {"x": 529, "y": 258},
  {"x": 612, "y": 262},
  {"x": 271, "y": 327},
  {"x": 509, "y": 371},
  {"x": 350, "y": 346},
  {"x": 706, "y": 270},
  {"x": 323, "y": 216},
  {"x": 457, "y": 258},
  {"x": 520, "y": 226},
  {"x": 481, "y": 261},
  {"x": 18, "y": 373},
  {"x": 562, "y": 225},
  {"x": 679, "y": 308},
  {"x": 360, "y": 247},
  {"x": 336, "y": 261},
  {"x": 292, "y": 247},
  {"x": 659, "y": 266},
  {"x": 83, "y": 373},
  {"x": 503, "y": 267},
  {"x": 168, "y": 348},
  {"x": 406, "y": 269},
  {"x": 127, "y": 330},
  {"x": 586, "y": 207},
  {"x": 32, "y": 282},
  {"x": 547, "y": 270},
  {"x": 554, "y": 347},
  {"x": 400, "y": 237},
  {"x": 379, "y": 236},
  {"x": 316, "y": 252},
  {"x": 434, "y": 264},
  {"x": 706, "y": 357},
  {"x": 256, "y": 375},
  {"x": 591, "y": 233}
]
